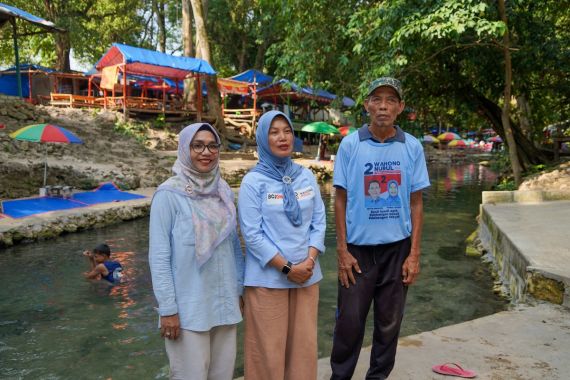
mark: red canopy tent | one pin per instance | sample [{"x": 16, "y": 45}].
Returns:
[{"x": 125, "y": 60}]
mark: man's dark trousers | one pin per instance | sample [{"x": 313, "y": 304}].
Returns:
[{"x": 381, "y": 282}]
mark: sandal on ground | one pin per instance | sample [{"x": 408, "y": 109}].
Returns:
[{"x": 453, "y": 369}]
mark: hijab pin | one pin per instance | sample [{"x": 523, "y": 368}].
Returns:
[
  {"x": 189, "y": 189},
  {"x": 287, "y": 180}
]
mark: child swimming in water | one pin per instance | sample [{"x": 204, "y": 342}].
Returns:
[{"x": 102, "y": 267}]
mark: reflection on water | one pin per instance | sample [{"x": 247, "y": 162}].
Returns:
[{"x": 56, "y": 325}]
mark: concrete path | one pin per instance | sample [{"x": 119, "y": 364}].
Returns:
[
  {"x": 530, "y": 342},
  {"x": 527, "y": 343}
]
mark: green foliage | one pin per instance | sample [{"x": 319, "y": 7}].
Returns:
[
  {"x": 536, "y": 169},
  {"x": 132, "y": 129},
  {"x": 160, "y": 121},
  {"x": 500, "y": 162},
  {"x": 92, "y": 26},
  {"x": 87, "y": 184},
  {"x": 506, "y": 184},
  {"x": 332, "y": 147}
]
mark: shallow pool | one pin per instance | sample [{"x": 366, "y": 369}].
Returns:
[{"x": 56, "y": 325}]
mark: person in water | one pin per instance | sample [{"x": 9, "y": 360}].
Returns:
[{"x": 102, "y": 267}]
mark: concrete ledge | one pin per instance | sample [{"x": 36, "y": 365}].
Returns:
[
  {"x": 524, "y": 196},
  {"x": 528, "y": 245}
]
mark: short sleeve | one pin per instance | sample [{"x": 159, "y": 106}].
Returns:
[
  {"x": 420, "y": 178},
  {"x": 341, "y": 164}
]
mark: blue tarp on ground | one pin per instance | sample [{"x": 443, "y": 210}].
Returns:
[
  {"x": 20, "y": 208},
  {"x": 105, "y": 193},
  {"x": 108, "y": 192}
]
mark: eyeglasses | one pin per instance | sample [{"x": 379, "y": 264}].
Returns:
[{"x": 199, "y": 147}]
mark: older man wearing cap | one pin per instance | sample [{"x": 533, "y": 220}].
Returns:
[{"x": 378, "y": 248}]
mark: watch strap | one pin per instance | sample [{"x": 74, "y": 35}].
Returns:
[{"x": 287, "y": 267}]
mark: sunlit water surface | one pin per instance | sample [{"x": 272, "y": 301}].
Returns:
[{"x": 56, "y": 325}]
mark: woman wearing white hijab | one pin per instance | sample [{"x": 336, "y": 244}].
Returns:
[
  {"x": 282, "y": 218},
  {"x": 196, "y": 261}
]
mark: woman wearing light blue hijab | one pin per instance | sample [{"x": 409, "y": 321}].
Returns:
[
  {"x": 282, "y": 219},
  {"x": 196, "y": 261}
]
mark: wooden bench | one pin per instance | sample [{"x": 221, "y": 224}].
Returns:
[
  {"x": 64, "y": 100},
  {"x": 71, "y": 100}
]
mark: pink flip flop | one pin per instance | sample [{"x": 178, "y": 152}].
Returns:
[{"x": 453, "y": 369}]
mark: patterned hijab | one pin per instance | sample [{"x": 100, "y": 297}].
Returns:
[
  {"x": 280, "y": 169},
  {"x": 211, "y": 198}
]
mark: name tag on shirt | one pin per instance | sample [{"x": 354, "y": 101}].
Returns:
[{"x": 302, "y": 194}]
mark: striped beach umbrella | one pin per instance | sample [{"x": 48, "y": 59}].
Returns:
[{"x": 45, "y": 133}]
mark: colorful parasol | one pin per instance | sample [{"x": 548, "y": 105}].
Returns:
[
  {"x": 45, "y": 133},
  {"x": 457, "y": 144},
  {"x": 345, "y": 130},
  {"x": 496, "y": 139},
  {"x": 429, "y": 139},
  {"x": 320, "y": 127},
  {"x": 448, "y": 136}
]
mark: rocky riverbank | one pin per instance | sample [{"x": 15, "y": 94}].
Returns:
[{"x": 133, "y": 156}]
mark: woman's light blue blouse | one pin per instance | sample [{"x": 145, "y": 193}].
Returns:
[
  {"x": 203, "y": 297},
  {"x": 267, "y": 230}
]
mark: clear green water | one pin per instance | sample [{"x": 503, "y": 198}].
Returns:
[{"x": 56, "y": 325}]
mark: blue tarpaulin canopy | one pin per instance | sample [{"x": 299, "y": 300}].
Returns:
[
  {"x": 9, "y": 79},
  {"x": 253, "y": 76},
  {"x": 149, "y": 62},
  {"x": 269, "y": 86},
  {"x": 9, "y": 14},
  {"x": 285, "y": 86}
]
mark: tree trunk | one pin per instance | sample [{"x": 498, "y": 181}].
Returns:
[
  {"x": 214, "y": 100},
  {"x": 524, "y": 116},
  {"x": 528, "y": 153},
  {"x": 63, "y": 49},
  {"x": 62, "y": 41},
  {"x": 506, "y": 114},
  {"x": 159, "y": 6},
  {"x": 188, "y": 45},
  {"x": 260, "y": 55},
  {"x": 242, "y": 54}
]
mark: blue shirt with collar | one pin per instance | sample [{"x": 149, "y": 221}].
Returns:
[
  {"x": 267, "y": 230},
  {"x": 203, "y": 297},
  {"x": 398, "y": 165}
]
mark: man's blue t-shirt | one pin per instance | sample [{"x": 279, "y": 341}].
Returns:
[{"x": 379, "y": 178}]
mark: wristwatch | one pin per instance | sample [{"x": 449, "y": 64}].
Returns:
[{"x": 287, "y": 268}]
